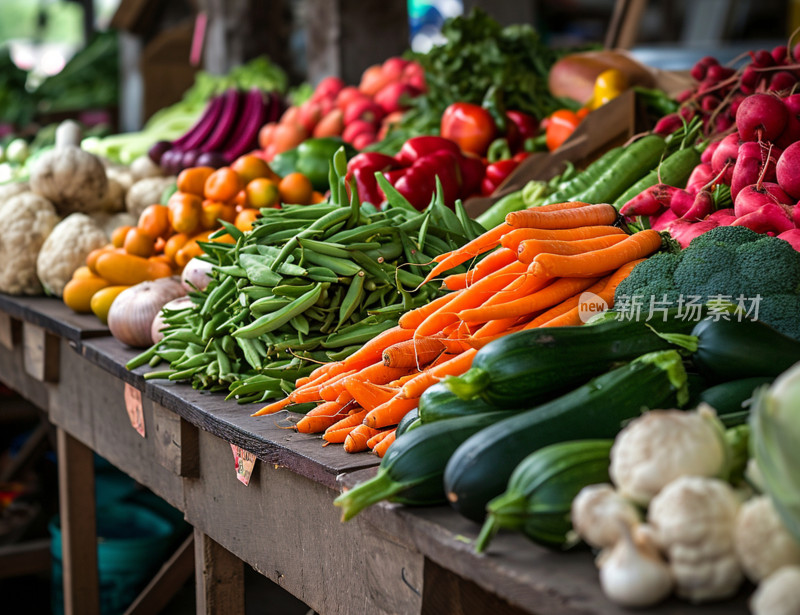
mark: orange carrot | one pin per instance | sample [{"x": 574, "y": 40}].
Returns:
[
  {"x": 379, "y": 373},
  {"x": 369, "y": 395},
  {"x": 454, "y": 367},
  {"x": 522, "y": 286},
  {"x": 314, "y": 392},
  {"x": 301, "y": 381},
  {"x": 382, "y": 446},
  {"x": 273, "y": 407},
  {"x": 566, "y": 306},
  {"x": 411, "y": 320},
  {"x": 396, "y": 384},
  {"x": 371, "y": 351},
  {"x": 490, "y": 263},
  {"x": 517, "y": 236},
  {"x": 483, "y": 243},
  {"x": 378, "y": 437},
  {"x": 321, "y": 417},
  {"x": 530, "y": 248},
  {"x": 616, "y": 278},
  {"x": 479, "y": 342},
  {"x": 322, "y": 369},
  {"x": 586, "y": 215},
  {"x": 471, "y": 297},
  {"x": 391, "y": 412},
  {"x": 551, "y": 295},
  {"x": 413, "y": 353},
  {"x": 334, "y": 387},
  {"x": 456, "y": 281},
  {"x": 345, "y": 423},
  {"x": 344, "y": 397},
  {"x": 356, "y": 440},
  {"x": 602, "y": 261}
]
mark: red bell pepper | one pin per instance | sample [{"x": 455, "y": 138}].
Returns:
[
  {"x": 472, "y": 173},
  {"x": 560, "y": 125},
  {"x": 362, "y": 167},
  {"x": 418, "y": 183},
  {"x": 470, "y": 126},
  {"x": 417, "y": 147},
  {"x": 496, "y": 173},
  {"x": 521, "y": 126}
]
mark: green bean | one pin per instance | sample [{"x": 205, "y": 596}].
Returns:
[
  {"x": 371, "y": 267},
  {"x": 268, "y": 305},
  {"x": 232, "y": 270},
  {"x": 307, "y": 212},
  {"x": 387, "y": 252},
  {"x": 300, "y": 323},
  {"x": 213, "y": 324},
  {"x": 250, "y": 354},
  {"x": 184, "y": 374},
  {"x": 339, "y": 266},
  {"x": 324, "y": 247},
  {"x": 170, "y": 355},
  {"x": 289, "y": 290},
  {"x": 159, "y": 375},
  {"x": 258, "y": 272},
  {"x": 270, "y": 322},
  {"x": 196, "y": 361},
  {"x": 375, "y": 296},
  {"x": 322, "y": 274},
  {"x": 362, "y": 232},
  {"x": 353, "y": 298},
  {"x": 218, "y": 293},
  {"x": 342, "y": 354},
  {"x": 228, "y": 345},
  {"x": 358, "y": 335},
  {"x": 223, "y": 361},
  {"x": 266, "y": 230}
]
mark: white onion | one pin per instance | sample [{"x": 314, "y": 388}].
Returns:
[
  {"x": 131, "y": 315},
  {"x": 158, "y": 322},
  {"x": 196, "y": 275}
]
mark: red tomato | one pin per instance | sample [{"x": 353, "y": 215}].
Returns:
[{"x": 471, "y": 126}]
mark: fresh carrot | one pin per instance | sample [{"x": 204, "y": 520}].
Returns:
[
  {"x": 470, "y": 297},
  {"x": 396, "y": 384},
  {"x": 314, "y": 392},
  {"x": 616, "y": 278},
  {"x": 356, "y": 440},
  {"x": 344, "y": 397},
  {"x": 303, "y": 380},
  {"x": 382, "y": 446},
  {"x": 456, "y": 281},
  {"x": 490, "y": 263},
  {"x": 345, "y": 423},
  {"x": 321, "y": 370},
  {"x": 378, "y": 437},
  {"x": 334, "y": 387},
  {"x": 369, "y": 395},
  {"x": 530, "y": 248},
  {"x": 551, "y": 295},
  {"x": 371, "y": 351},
  {"x": 591, "y": 264},
  {"x": 453, "y": 367},
  {"x": 522, "y": 286},
  {"x": 378, "y": 373},
  {"x": 338, "y": 436},
  {"x": 566, "y": 306},
  {"x": 413, "y": 353},
  {"x": 483, "y": 243},
  {"x": 391, "y": 412},
  {"x": 411, "y": 320},
  {"x": 517, "y": 236},
  {"x": 273, "y": 407},
  {"x": 321, "y": 417},
  {"x": 586, "y": 215}
]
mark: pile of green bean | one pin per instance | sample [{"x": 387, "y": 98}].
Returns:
[{"x": 309, "y": 284}]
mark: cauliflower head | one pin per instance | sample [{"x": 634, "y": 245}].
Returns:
[
  {"x": 29, "y": 219},
  {"x": 763, "y": 543},
  {"x": 66, "y": 249}
]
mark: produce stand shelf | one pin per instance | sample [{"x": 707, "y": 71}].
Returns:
[{"x": 389, "y": 559}]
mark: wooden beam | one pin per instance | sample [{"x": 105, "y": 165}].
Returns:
[
  {"x": 9, "y": 331},
  {"x": 78, "y": 526},
  {"x": 168, "y": 580},
  {"x": 219, "y": 578},
  {"x": 624, "y": 27},
  {"x": 176, "y": 445},
  {"x": 41, "y": 353},
  {"x": 31, "y": 557}
]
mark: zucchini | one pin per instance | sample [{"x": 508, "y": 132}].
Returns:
[
  {"x": 411, "y": 471},
  {"x": 410, "y": 417},
  {"x": 530, "y": 367},
  {"x": 581, "y": 181},
  {"x": 729, "y": 397},
  {"x": 538, "y": 500},
  {"x": 479, "y": 469},
  {"x": 438, "y": 402}
]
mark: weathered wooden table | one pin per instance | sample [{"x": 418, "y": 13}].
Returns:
[{"x": 390, "y": 559}]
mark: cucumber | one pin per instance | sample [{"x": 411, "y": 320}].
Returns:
[
  {"x": 729, "y": 397},
  {"x": 411, "y": 471},
  {"x": 538, "y": 500},
  {"x": 410, "y": 417},
  {"x": 581, "y": 181},
  {"x": 438, "y": 403},
  {"x": 530, "y": 367},
  {"x": 479, "y": 469}
]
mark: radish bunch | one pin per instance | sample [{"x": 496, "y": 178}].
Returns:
[
  {"x": 759, "y": 164},
  {"x": 721, "y": 89}
]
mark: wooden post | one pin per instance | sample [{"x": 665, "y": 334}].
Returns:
[
  {"x": 219, "y": 578},
  {"x": 9, "y": 331},
  {"x": 41, "y": 353},
  {"x": 624, "y": 27},
  {"x": 78, "y": 526},
  {"x": 169, "y": 579},
  {"x": 176, "y": 442}
]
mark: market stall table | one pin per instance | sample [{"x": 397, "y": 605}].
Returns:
[{"x": 389, "y": 559}]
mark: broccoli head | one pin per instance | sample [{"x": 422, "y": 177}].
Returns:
[{"x": 759, "y": 273}]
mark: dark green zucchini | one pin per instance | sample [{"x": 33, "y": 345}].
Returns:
[
  {"x": 411, "y": 471},
  {"x": 409, "y": 418},
  {"x": 438, "y": 402},
  {"x": 538, "y": 500},
  {"x": 728, "y": 397},
  {"x": 479, "y": 469},
  {"x": 530, "y": 367}
]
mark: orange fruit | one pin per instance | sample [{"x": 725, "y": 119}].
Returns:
[
  {"x": 91, "y": 259},
  {"x": 250, "y": 167},
  {"x": 296, "y": 188},
  {"x": 118, "y": 235},
  {"x": 139, "y": 243},
  {"x": 193, "y": 180},
  {"x": 213, "y": 211},
  {"x": 223, "y": 185},
  {"x": 244, "y": 219},
  {"x": 317, "y": 197},
  {"x": 184, "y": 213},
  {"x": 154, "y": 221},
  {"x": 262, "y": 192},
  {"x": 175, "y": 243}
]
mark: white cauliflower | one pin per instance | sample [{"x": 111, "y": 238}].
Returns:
[
  {"x": 659, "y": 446},
  {"x": 693, "y": 518},
  {"x": 763, "y": 543},
  {"x": 13, "y": 189},
  {"x": 778, "y": 594},
  {"x": 28, "y": 219},
  {"x": 146, "y": 192},
  {"x": 110, "y": 222},
  {"x": 600, "y": 514},
  {"x": 66, "y": 249}
]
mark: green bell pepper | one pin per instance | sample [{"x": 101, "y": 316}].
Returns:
[{"x": 311, "y": 158}]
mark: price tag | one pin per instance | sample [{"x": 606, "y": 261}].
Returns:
[
  {"x": 244, "y": 463},
  {"x": 133, "y": 404}
]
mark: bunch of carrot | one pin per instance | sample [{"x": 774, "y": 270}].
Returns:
[{"x": 539, "y": 263}]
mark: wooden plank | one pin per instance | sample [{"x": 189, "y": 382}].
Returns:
[
  {"x": 30, "y": 557},
  {"x": 168, "y": 580},
  {"x": 78, "y": 526},
  {"x": 41, "y": 353},
  {"x": 52, "y": 315},
  {"x": 14, "y": 376},
  {"x": 175, "y": 441},
  {"x": 219, "y": 578},
  {"x": 10, "y": 331},
  {"x": 286, "y": 527},
  {"x": 623, "y": 29}
]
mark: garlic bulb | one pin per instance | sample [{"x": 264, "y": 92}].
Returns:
[
  {"x": 131, "y": 315},
  {"x": 634, "y": 575},
  {"x": 597, "y": 513}
]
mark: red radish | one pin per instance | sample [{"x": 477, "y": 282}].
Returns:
[
  {"x": 788, "y": 170},
  {"x": 717, "y": 72},
  {"x": 702, "y": 206},
  {"x": 792, "y": 236},
  {"x": 683, "y": 231},
  {"x": 724, "y": 217},
  {"x": 348, "y": 95},
  {"x": 701, "y": 175},
  {"x": 762, "y": 58},
  {"x": 781, "y": 81},
  {"x": 393, "y": 67},
  {"x": 653, "y": 200},
  {"x": 668, "y": 124},
  {"x": 755, "y": 196},
  {"x": 366, "y": 110},
  {"x": 394, "y": 97},
  {"x": 792, "y": 104},
  {"x": 724, "y": 157},
  {"x": 722, "y": 123},
  {"x": 753, "y": 164},
  {"x": 736, "y": 100},
  {"x": 761, "y": 117},
  {"x": 779, "y": 54},
  {"x": 750, "y": 77},
  {"x": 790, "y": 134},
  {"x": 796, "y": 52},
  {"x": 769, "y": 218},
  {"x": 329, "y": 87},
  {"x": 708, "y": 152},
  {"x": 662, "y": 220}
]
